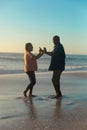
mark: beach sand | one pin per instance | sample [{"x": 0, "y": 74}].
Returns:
[{"x": 42, "y": 112}]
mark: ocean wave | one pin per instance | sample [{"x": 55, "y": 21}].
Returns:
[
  {"x": 70, "y": 68},
  {"x": 13, "y": 63},
  {"x": 76, "y": 58},
  {"x": 11, "y": 59}
]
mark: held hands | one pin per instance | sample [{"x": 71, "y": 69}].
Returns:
[
  {"x": 44, "y": 50},
  {"x": 40, "y": 50}
]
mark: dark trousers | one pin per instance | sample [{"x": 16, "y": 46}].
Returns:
[
  {"x": 32, "y": 78},
  {"x": 56, "y": 81}
]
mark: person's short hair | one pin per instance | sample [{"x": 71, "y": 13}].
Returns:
[
  {"x": 57, "y": 38},
  {"x": 27, "y": 45}
]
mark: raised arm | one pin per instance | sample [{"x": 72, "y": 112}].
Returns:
[
  {"x": 38, "y": 55},
  {"x": 41, "y": 52},
  {"x": 48, "y": 53}
]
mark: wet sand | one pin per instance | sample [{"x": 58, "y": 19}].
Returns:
[{"x": 42, "y": 112}]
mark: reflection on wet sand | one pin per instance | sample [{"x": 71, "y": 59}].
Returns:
[
  {"x": 32, "y": 113},
  {"x": 48, "y": 109},
  {"x": 57, "y": 109}
]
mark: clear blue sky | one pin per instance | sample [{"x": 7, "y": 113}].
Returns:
[{"x": 37, "y": 21}]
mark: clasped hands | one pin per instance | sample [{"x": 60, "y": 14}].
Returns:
[{"x": 44, "y": 50}]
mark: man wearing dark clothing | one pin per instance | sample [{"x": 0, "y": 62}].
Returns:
[{"x": 57, "y": 64}]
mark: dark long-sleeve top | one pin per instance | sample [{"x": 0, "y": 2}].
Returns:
[{"x": 58, "y": 58}]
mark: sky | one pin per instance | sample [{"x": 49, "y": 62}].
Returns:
[{"x": 37, "y": 21}]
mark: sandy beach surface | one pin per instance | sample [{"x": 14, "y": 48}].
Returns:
[{"x": 42, "y": 112}]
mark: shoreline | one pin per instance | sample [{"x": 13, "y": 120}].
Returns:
[
  {"x": 43, "y": 112},
  {"x": 37, "y": 72}
]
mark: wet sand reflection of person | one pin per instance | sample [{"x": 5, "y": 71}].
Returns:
[
  {"x": 57, "y": 110},
  {"x": 31, "y": 108}
]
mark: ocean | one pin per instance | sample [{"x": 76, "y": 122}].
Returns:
[{"x": 11, "y": 63}]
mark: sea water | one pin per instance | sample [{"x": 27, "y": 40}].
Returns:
[{"x": 11, "y": 63}]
